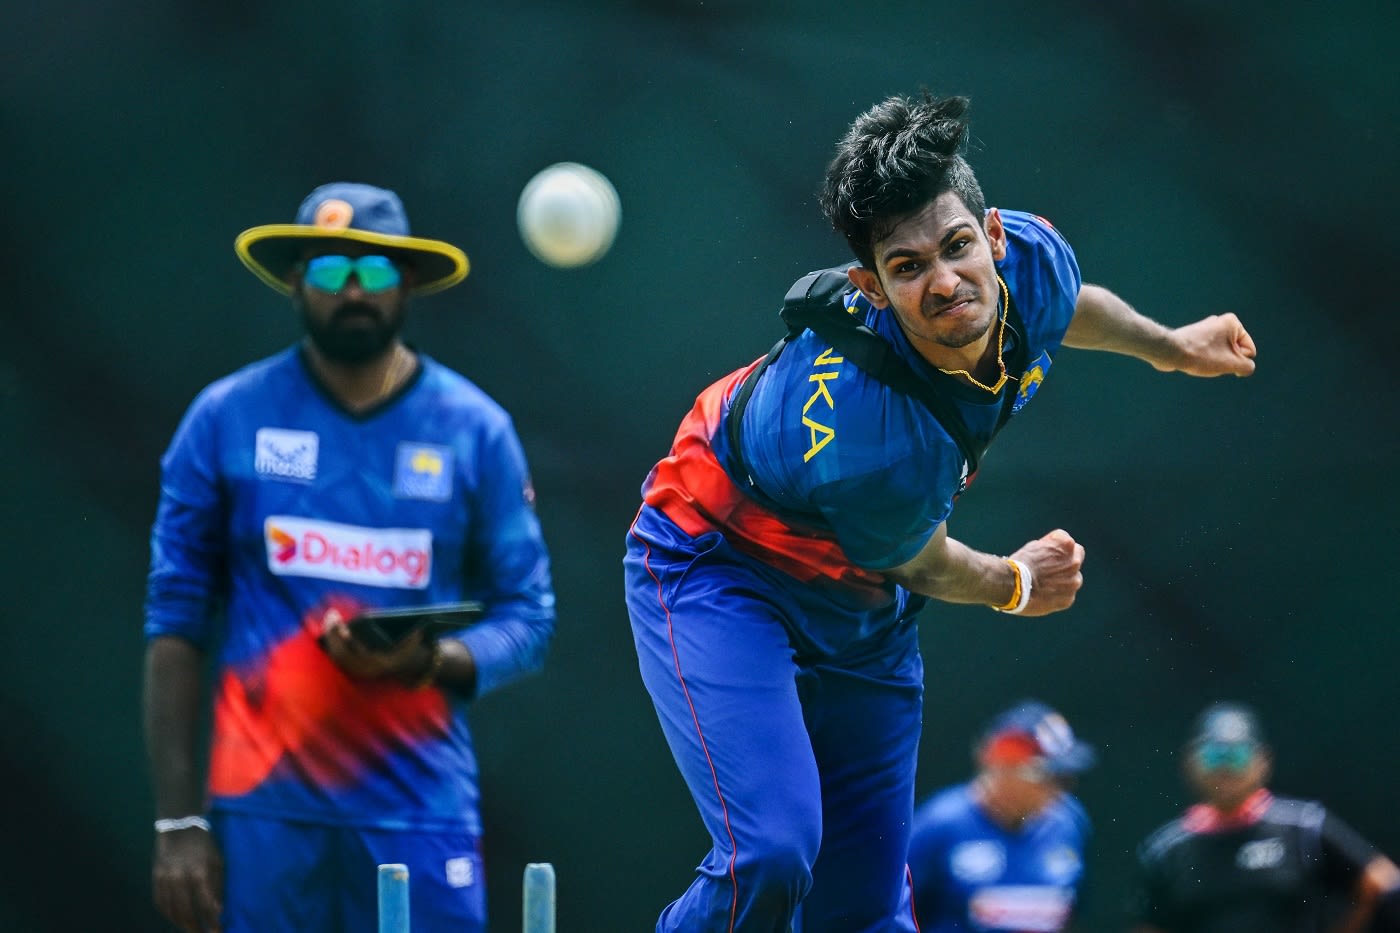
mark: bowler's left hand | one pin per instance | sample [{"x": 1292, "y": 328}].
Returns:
[{"x": 1214, "y": 346}]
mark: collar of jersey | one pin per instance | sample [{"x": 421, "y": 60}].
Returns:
[{"x": 1203, "y": 818}]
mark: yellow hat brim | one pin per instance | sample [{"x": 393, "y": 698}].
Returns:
[{"x": 272, "y": 250}]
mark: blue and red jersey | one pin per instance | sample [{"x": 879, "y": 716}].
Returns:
[
  {"x": 971, "y": 873},
  {"x": 856, "y": 477},
  {"x": 281, "y": 511}
]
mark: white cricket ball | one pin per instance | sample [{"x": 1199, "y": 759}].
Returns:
[{"x": 568, "y": 215}]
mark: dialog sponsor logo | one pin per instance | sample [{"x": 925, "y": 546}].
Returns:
[
  {"x": 399, "y": 558},
  {"x": 1032, "y": 908}
]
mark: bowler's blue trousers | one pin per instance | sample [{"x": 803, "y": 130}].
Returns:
[{"x": 802, "y": 766}]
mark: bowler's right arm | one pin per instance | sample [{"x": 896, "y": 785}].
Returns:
[{"x": 948, "y": 570}]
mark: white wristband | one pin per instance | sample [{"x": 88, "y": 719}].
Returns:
[
  {"x": 1024, "y": 588},
  {"x": 184, "y": 822}
]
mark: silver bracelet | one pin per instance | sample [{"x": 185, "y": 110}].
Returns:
[{"x": 184, "y": 822}]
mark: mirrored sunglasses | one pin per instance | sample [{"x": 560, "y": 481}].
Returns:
[
  {"x": 330, "y": 273},
  {"x": 1224, "y": 756}
]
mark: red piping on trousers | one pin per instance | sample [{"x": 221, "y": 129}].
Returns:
[
  {"x": 724, "y": 807},
  {"x": 913, "y": 908}
]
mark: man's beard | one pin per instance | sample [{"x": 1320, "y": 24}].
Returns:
[{"x": 355, "y": 333}]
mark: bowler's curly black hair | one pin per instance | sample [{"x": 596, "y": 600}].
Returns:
[{"x": 896, "y": 157}]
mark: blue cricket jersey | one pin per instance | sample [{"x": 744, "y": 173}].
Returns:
[
  {"x": 970, "y": 873},
  {"x": 290, "y": 511},
  {"x": 861, "y": 475}
]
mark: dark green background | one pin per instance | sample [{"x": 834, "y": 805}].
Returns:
[{"x": 1201, "y": 157}]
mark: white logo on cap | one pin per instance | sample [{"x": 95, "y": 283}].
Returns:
[
  {"x": 1230, "y": 727},
  {"x": 1054, "y": 735}
]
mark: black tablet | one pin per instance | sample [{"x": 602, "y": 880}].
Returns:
[{"x": 382, "y": 629}]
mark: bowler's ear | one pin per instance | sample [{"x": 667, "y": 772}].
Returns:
[
  {"x": 869, "y": 284},
  {"x": 996, "y": 233}
]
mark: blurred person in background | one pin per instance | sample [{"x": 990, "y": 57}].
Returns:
[
  {"x": 788, "y": 542},
  {"x": 1242, "y": 860},
  {"x": 346, "y": 473},
  {"x": 1005, "y": 851}
]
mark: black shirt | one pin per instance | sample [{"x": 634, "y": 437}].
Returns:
[{"x": 1271, "y": 872}]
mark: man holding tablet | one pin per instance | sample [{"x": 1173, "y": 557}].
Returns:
[{"x": 300, "y": 496}]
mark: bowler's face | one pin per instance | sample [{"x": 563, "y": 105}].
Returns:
[{"x": 936, "y": 269}]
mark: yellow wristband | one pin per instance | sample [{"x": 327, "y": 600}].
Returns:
[{"x": 1021, "y": 595}]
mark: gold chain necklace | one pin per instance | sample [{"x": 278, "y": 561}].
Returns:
[
  {"x": 391, "y": 375},
  {"x": 1001, "y": 342}
]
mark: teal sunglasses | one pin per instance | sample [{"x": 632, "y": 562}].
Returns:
[
  {"x": 330, "y": 273},
  {"x": 1224, "y": 756}
]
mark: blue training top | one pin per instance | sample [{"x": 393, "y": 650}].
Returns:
[
  {"x": 861, "y": 475},
  {"x": 291, "y": 512},
  {"x": 969, "y": 873}
]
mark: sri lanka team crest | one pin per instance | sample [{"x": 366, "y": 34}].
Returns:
[
  {"x": 423, "y": 471},
  {"x": 1030, "y": 380}
]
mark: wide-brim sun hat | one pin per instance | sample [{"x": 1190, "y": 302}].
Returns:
[{"x": 346, "y": 211}]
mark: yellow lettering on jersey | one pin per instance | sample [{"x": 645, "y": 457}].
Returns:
[
  {"x": 820, "y": 434},
  {"x": 820, "y": 379},
  {"x": 814, "y": 430}
]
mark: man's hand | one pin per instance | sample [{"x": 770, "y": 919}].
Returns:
[
  {"x": 1214, "y": 346},
  {"x": 949, "y": 570},
  {"x": 188, "y": 880},
  {"x": 1054, "y": 561},
  {"x": 407, "y": 662}
]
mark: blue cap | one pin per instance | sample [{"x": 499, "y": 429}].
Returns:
[
  {"x": 348, "y": 211},
  {"x": 1046, "y": 735}
]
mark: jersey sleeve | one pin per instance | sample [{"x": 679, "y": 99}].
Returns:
[
  {"x": 1344, "y": 853},
  {"x": 1147, "y": 905},
  {"x": 507, "y": 563},
  {"x": 187, "y": 539},
  {"x": 1045, "y": 278}
]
